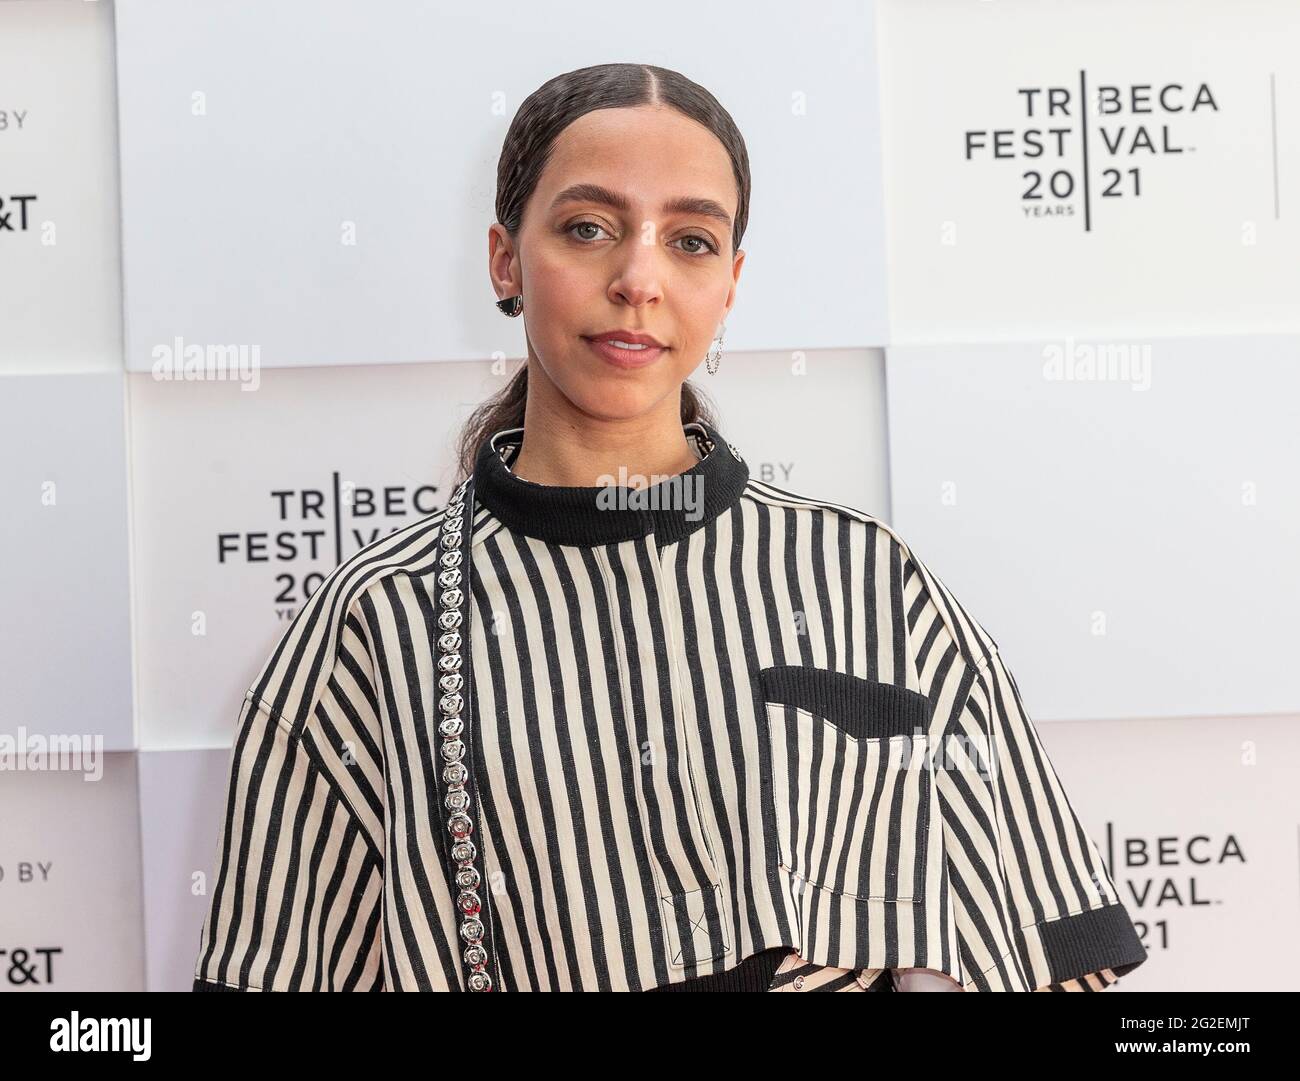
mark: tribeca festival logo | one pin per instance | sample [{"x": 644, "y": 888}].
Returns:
[
  {"x": 657, "y": 491},
  {"x": 319, "y": 527},
  {"x": 1171, "y": 875},
  {"x": 1079, "y": 154},
  {"x": 177, "y": 360}
]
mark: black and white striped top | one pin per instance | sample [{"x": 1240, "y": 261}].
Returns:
[{"x": 711, "y": 722}]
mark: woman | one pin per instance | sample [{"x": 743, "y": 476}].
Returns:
[{"x": 619, "y": 716}]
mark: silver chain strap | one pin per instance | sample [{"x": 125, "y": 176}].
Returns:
[{"x": 457, "y": 522}]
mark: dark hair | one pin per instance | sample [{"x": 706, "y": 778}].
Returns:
[{"x": 544, "y": 114}]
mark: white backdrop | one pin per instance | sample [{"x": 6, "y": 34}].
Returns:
[
  {"x": 1129, "y": 531},
  {"x": 1170, "y": 123},
  {"x": 339, "y": 159},
  {"x": 60, "y": 271},
  {"x": 911, "y": 337}
]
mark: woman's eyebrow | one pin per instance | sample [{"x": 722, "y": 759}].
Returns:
[{"x": 683, "y": 204}]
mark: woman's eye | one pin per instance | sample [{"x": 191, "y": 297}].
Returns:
[
  {"x": 588, "y": 225},
  {"x": 708, "y": 246}
]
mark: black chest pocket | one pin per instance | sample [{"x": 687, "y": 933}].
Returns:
[{"x": 852, "y": 788}]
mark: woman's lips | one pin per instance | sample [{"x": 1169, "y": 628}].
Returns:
[{"x": 626, "y": 358}]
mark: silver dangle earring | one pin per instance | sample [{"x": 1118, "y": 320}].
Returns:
[
  {"x": 511, "y": 306},
  {"x": 714, "y": 355}
]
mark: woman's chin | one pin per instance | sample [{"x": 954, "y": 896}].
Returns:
[{"x": 617, "y": 399}]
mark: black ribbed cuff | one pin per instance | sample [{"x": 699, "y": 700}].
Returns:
[{"x": 1091, "y": 941}]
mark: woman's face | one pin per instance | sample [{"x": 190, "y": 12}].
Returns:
[{"x": 587, "y": 265}]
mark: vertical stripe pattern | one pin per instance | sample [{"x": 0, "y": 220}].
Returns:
[{"x": 648, "y": 814}]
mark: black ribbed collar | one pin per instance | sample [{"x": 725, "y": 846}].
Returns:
[{"x": 670, "y": 509}]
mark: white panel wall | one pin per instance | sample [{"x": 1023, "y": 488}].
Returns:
[
  {"x": 762, "y": 398},
  {"x": 1110, "y": 167},
  {"x": 65, "y": 646},
  {"x": 1127, "y": 534},
  {"x": 70, "y": 897},
  {"x": 316, "y": 180},
  {"x": 1196, "y": 819},
  {"x": 1126, "y": 530},
  {"x": 182, "y": 812},
  {"x": 265, "y": 493},
  {"x": 60, "y": 254}
]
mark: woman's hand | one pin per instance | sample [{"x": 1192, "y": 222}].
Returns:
[{"x": 923, "y": 979}]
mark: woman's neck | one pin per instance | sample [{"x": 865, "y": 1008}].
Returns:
[{"x": 570, "y": 449}]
